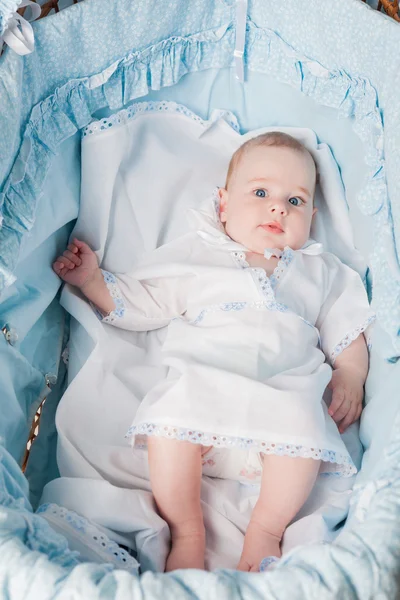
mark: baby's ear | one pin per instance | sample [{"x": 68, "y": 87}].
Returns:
[
  {"x": 223, "y": 205},
  {"x": 315, "y": 210}
]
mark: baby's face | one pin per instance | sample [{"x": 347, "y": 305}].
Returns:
[{"x": 269, "y": 203}]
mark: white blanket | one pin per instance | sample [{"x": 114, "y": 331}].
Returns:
[{"x": 140, "y": 170}]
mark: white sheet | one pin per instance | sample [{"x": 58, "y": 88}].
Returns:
[{"x": 138, "y": 176}]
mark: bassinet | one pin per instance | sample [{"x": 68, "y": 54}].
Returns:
[{"x": 336, "y": 56}]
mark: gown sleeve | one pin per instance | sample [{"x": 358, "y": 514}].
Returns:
[
  {"x": 345, "y": 313},
  {"x": 152, "y": 294}
]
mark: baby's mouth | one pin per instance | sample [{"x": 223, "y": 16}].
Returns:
[{"x": 273, "y": 227}]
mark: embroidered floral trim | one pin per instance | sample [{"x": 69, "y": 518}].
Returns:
[
  {"x": 135, "y": 110},
  {"x": 236, "y": 306},
  {"x": 350, "y": 337},
  {"x": 259, "y": 276},
  {"x": 116, "y": 295},
  {"x": 87, "y": 530},
  {"x": 265, "y": 283},
  {"x": 345, "y": 465},
  {"x": 268, "y": 563},
  {"x": 240, "y": 259},
  {"x": 281, "y": 267}
]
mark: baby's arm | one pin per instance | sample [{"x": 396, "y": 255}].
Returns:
[
  {"x": 78, "y": 266},
  {"x": 97, "y": 292},
  {"x": 347, "y": 383},
  {"x": 146, "y": 298},
  {"x": 345, "y": 314}
]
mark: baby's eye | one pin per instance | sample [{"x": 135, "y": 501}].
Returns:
[
  {"x": 296, "y": 201},
  {"x": 260, "y": 193}
]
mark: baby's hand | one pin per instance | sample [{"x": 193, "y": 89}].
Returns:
[
  {"x": 78, "y": 265},
  {"x": 347, "y": 395}
]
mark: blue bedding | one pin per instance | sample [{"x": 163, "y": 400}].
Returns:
[{"x": 307, "y": 63}]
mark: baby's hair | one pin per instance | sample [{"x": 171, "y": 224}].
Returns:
[{"x": 273, "y": 138}]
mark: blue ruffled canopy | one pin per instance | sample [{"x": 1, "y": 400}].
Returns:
[
  {"x": 93, "y": 59},
  {"x": 7, "y": 9}
]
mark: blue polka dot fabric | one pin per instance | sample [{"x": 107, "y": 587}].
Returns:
[{"x": 99, "y": 56}]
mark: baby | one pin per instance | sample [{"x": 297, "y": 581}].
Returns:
[{"x": 260, "y": 321}]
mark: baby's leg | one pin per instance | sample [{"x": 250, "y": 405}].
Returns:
[
  {"x": 285, "y": 486},
  {"x": 175, "y": 476}
]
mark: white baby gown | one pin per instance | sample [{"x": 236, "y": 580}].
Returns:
[{"x": 248, "y": 356}]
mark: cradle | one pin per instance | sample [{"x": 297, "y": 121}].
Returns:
[{"x": 320, "y": 54}]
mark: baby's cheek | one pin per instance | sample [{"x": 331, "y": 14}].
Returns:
[
  {"x": 299, "y": 230},
  {"x": 240, "y": 222}
]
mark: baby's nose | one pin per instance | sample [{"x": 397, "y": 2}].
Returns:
[{"x": 278, "y": 207}]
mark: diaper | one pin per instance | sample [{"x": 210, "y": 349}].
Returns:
[{"x": 233, "y": 463}]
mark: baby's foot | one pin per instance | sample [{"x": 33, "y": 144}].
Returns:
[
  {"x": 258, "y": 543},
  {"x": 187, "y": 552}
]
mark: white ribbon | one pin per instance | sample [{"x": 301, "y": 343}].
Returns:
[
  {"x": 310, "y": 247},
  {"x": 19, "y": 33},
  {"x": 241, "y": 19}
]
